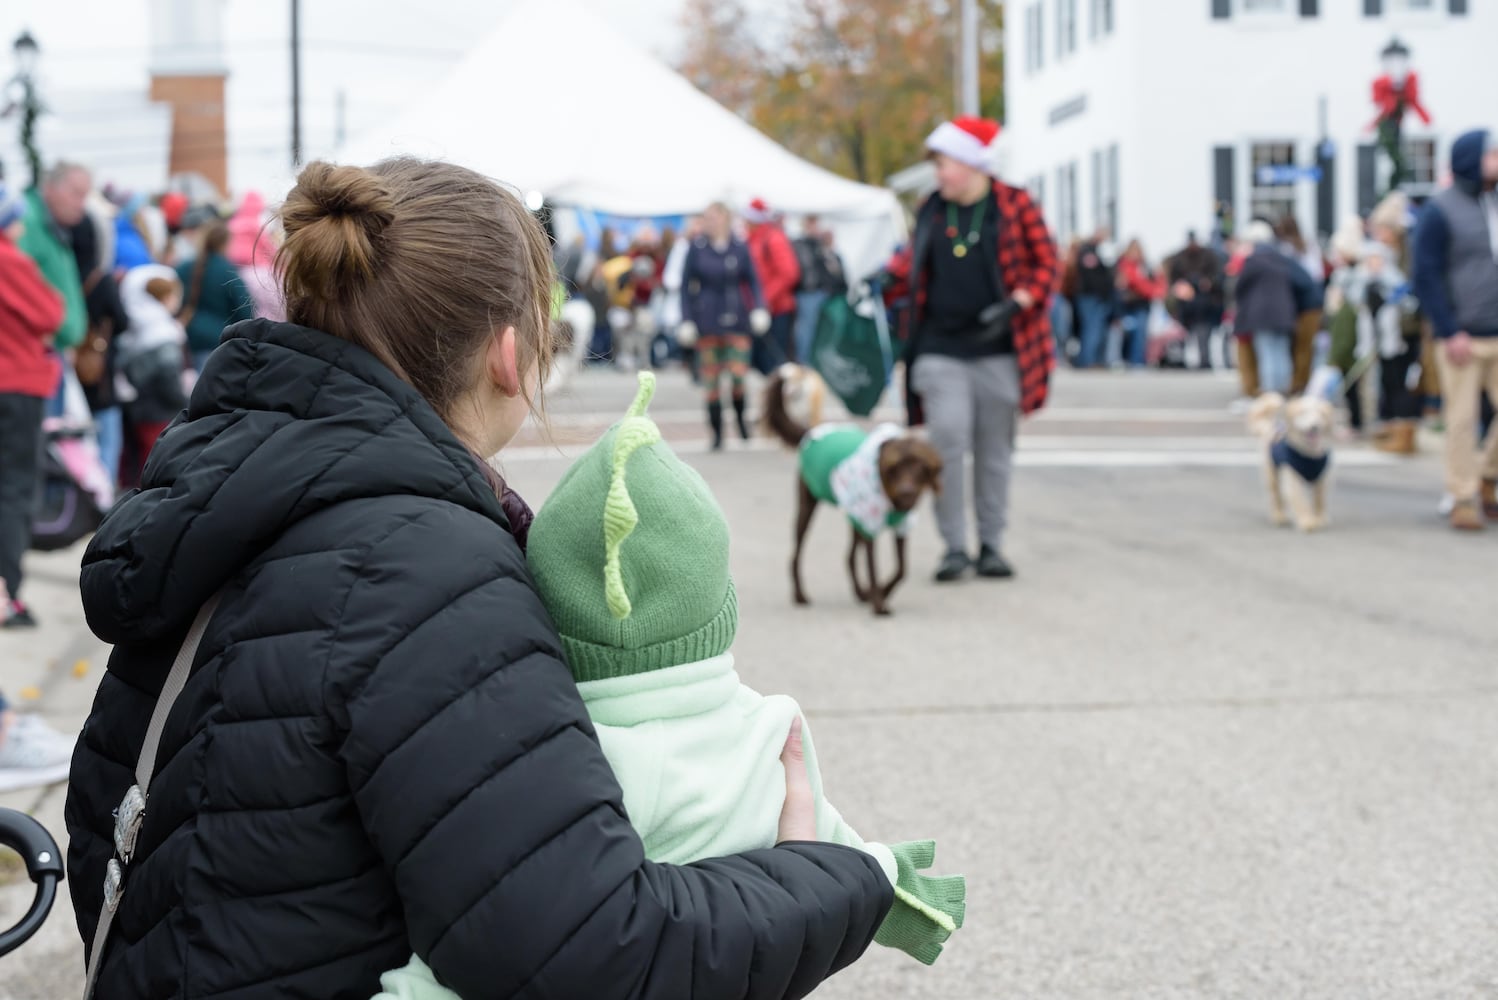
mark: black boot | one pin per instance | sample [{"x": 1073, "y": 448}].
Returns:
[
  {"x": 715, "y": 422},
  {"x": 738, "y": 411}
]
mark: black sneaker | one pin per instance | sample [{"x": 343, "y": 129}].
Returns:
[
  {"x": 953, "y": 565},
  {"x": 18, "y": 616},
  {"x": 992, "y": 565}
]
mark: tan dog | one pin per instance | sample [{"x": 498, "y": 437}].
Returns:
[{"x": 1297, "y": 456}]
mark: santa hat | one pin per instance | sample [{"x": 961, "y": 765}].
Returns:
[
  {"x": 759, "y": 212},
  {"x": 967, "y": 140}
]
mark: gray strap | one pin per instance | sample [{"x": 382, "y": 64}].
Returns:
[{"x": 176, "y": 680}]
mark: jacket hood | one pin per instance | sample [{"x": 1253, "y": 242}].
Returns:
[
  {"x": 151, "y": 322},
  {"x": 1466, "y": 157},
  {"x": 249, "y": 243},
  {"x": 283, "y": 423}
]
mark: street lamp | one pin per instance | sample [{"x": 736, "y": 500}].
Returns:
[
  {"x": 1395, "y": 93},
  {"x": 1396, "y": 59},
  {"x": 26, "y": 52}
]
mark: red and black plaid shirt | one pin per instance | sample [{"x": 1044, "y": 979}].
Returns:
[{"x": 1027, "y": 260}]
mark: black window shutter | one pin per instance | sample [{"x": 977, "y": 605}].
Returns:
[
  {"x": 1373, "y": 8},
  {"x": 1222, "y": 176},
  {"x": 1222, "y": 9},
  {"x": 1309, "y": 8},
  {"x": 1367, "y": 179},
  {"x": 1326, "y": 193},
  {"x": 1459, "y": 7}
]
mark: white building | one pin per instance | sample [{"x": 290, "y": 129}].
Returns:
[{"x": 1144, "y": 114}]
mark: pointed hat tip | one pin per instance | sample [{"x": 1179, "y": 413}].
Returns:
[{"x": 645, "y": 394}]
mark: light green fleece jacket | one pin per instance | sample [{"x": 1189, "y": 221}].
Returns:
[{"x": 697, "y": 753}]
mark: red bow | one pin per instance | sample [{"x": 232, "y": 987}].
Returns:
[{"x": 1386, "y": 96}]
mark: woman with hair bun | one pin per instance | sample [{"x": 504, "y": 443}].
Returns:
[{"x": 379, "y": 747}]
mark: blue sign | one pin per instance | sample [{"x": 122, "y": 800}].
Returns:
[{"x": 1287, "y": 174}]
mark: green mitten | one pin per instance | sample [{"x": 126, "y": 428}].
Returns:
[{"x": 927, "y": 909}]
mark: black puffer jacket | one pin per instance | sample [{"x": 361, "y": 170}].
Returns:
[{"x": 380, "y": 747}]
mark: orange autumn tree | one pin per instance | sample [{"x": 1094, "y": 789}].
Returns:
[
  {"x": 723, "y": 58},
  {"x": 855, "y": 85}
]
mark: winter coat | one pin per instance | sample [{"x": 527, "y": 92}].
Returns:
[
  {"x": 44, "y": 243},
  {"x": 222, "y": 300},
  {"x": 150, "y": 351},
  {"x": 130, "y": 247},
  {"x": 1201, "y": 268},
  {"x": 30, "y": 309},
  {"x": 775, "y": 263},
  {"x": 1095, "y": 275},
  {"x": 1141, "y": 286},
  {"x": 1267, "y": 292},
  {"x": 719, "y": 288},
  {"x": 821, "y": 267},
  {"x": 252, "y": 249},
  {"x": 1456, "y": 246},
  {"x": 1026, "y": 260},
  {"x": 380, "y": 748}
]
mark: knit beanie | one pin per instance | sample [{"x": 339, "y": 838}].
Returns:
[
  {"x": 630, "y": 555},
  {"x": 967, "y": 140}
]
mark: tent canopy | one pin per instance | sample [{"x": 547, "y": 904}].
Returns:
[{"x": 555, "y": 101}]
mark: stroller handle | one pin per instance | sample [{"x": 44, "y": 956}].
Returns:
[{"x": 35, "y": 845}]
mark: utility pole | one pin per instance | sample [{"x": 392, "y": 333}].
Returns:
[
  {"x": 296, "y": 84},
  {"x": 340, "y": 113},
  {"x": 969, "y": 103}
]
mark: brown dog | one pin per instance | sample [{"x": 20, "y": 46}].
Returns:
[{"x": 874, "y": 477}]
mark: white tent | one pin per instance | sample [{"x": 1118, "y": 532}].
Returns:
[{"x": 554, "y": 101}]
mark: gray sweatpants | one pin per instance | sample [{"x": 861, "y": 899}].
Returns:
[{"x": 972, "y": 408}]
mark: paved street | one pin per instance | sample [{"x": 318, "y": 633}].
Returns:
[{"x": 1183, "y": 755}]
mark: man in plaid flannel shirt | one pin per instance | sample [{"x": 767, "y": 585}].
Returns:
[{"x": 980, "y": 270}]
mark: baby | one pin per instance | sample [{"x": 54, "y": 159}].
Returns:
[{"x": 630, "y": 554}]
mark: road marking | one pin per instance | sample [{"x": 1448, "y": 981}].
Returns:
[
  {"x": 1135, "y": 453},
  {"x": 1062, "y": 415}
]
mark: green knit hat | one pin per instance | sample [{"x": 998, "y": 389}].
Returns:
[{"x": 630, "y": 554}]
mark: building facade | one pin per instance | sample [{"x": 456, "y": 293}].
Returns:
[{"x": 1146, "y": 115}]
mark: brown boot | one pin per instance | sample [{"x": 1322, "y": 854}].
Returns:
[
  {"x": 1490, "y": 499},
  {"x": 1400, "y": 439},
  {"x": 1465, "y": 516}
]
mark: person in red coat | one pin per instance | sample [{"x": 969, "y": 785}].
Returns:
[
  {"x": 1139, "y": 287},
  {"x": 779, "y": 274},
  {"x": 979, "y": 273},
  {"x": 30, "y": 312}
]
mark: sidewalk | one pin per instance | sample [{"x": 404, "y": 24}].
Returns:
[{"x": 52, "y": 670}]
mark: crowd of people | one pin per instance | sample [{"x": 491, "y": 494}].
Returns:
[
  {"x": 730, "y": 293},
  {"x": 110, "y": 304}
]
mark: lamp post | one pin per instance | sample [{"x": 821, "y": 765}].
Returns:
[
  {"x": 26, "y": 52},
  {"x": 1395, "y": 93}
]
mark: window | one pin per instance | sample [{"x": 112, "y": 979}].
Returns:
[
  {"x": 1411, "y": 6},
  {"x": 1102, "y": 19},
  {"x": 1040, "y": 35},
  {"x": 1035, "y": 37},
  {"x": 1263, "y": 6},
  {"x": 1111, "y": 190},
  {"x": 1036, "y": 187},
  {"x": 1097, "y": 187},
  {"x": 1029, "y": 39},
  {"x": 1270, "y": 198},
  {"x": 1066, "y": 27},
  {"x": 1420, "y": 158},
  {"x": 1065, "y": 219}
]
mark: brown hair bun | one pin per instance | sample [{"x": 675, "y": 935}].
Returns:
[{"x": 335, "y": 219}]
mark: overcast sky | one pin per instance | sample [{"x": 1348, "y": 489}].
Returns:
[{"x": 378, "y": 52}]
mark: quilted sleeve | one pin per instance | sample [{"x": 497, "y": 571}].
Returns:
[{"x": 482, "y": 786}]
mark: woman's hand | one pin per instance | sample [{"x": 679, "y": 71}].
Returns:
[{"x": 798, "y": 818}]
